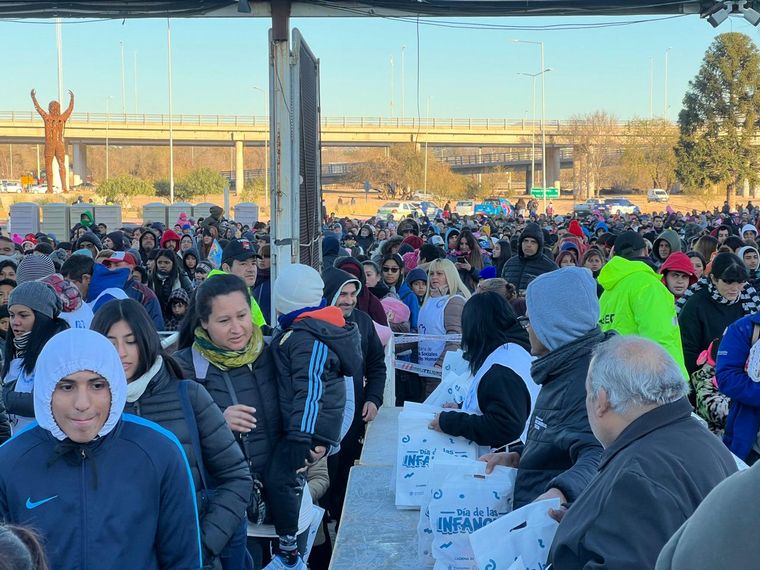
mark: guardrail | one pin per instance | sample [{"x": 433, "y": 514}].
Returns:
[{"x": 336, "y": 122}]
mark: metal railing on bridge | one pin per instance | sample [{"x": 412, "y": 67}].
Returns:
[{"x": 149, "y": 119}]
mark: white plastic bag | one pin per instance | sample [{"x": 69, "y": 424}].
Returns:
[
  {"x": 455, "y": 380},
  {"x": 440, "y": 468},
  {"x": 417, "y": 446},
  {"x": 527, "y": 532},
  {"x": 462, "y": 504}
]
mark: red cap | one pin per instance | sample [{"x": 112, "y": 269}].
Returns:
[
  {"x": 119, "y": 257},
  {"x": 575, "y": 229}
]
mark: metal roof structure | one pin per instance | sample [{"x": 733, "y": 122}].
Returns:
[{"x": 305, "y": 8}]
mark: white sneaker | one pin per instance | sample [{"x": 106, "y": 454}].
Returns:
[{"x": 278, "y": 563}]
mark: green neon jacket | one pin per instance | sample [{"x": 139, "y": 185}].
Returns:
[
  {"x": 256, "y": 315},
  {"x": 635, "y": 302}
]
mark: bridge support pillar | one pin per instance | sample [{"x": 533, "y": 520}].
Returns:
[
  {"x": 528, "y": 180},
  {"x": 552, "y": 166},
  {"x": 80, "y": 162},
  {"x": 239, "y": 169}
]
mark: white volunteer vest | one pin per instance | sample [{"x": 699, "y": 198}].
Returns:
[
  {"x": 517, "y": 359},
  {"x": 430, "y": 322}
]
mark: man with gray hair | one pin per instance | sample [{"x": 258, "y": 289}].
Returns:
[{"x": 657, "y": 466}]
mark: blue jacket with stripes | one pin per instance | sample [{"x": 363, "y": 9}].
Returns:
[
  {"x": 120, "y": 502},
  {"x": 313, "y": 357}
]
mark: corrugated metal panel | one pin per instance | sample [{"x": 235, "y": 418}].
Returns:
[{"x": 310, "y": 198}]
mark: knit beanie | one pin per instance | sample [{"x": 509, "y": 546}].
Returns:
[
  {"x": 297, "y": 286},
  {"x": 38, "y": 297},
  {"x": 117, "y": 238},
  {"x": 562, "y": 306},
  {"x": 33, "y": 267},
  {"x": 89, "y": 237}
]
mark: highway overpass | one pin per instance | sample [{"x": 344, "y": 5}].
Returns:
[{"x": 85, "y": 129}]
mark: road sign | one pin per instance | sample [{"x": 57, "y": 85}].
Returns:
[{"x": 539, "y": 192}]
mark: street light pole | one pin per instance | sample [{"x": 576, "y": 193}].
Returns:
[
  {"x": 171, "y": 111},
  {"x": 543, "y": 114},
  {"x": 532, "y": 127}
]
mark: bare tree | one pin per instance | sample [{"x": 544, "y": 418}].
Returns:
[{"x": 593, "y": 136}]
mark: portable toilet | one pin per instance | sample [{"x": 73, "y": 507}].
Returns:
[
  {"x": 202, "y": 210},
  {"x": 24, "y": 218},
  {"x": 109, "y": 215},
  {"x": 56, "y": 220},
  {"x": 174, "y": 210},
  {"x": 246, "y": 213},
  {"x": 154, "y": 212},
  {"x": 76, "y": 210}
]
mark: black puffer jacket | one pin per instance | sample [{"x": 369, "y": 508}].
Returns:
[
  {"x": 256, "y": 388},
  {"x": 313, "y": 356},
  {"x": 561, "y": 450},
  {"x": 369, "y": 383},
  {"x": 521, "y": 270},
  {"x": 225, "y": 465}
]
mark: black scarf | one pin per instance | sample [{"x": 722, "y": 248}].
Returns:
[{"x": 749, "y": 297}]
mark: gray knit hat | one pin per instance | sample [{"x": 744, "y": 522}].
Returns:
[
  {"x": 37, "y": 296},
  {"x": 573, "y": 309},
  {"x": 33, "y": 267}
]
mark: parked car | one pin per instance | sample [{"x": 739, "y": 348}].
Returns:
[
  {"x": 11, "y": 186},
  {"x": 589, "y": 206},
  {"x": 657, "y": 195},
  {"x": 465, "y": 207},
  {"x": 398, "y": 209},
  {"x": 429, "y": 209},
  {"x": 39, "y": 189},
  {"x": 621, "y": 206},
  {"x": 494, "y": 206}
]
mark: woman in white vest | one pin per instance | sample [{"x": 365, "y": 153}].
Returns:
[
  {"x": 499, "y": 401},
  {"x": 440, "y": 316}
]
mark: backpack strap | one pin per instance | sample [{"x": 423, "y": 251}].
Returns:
[{"x": 195, "y": 438}]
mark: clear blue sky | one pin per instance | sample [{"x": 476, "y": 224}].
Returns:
[{"x": 465, "y": 73}]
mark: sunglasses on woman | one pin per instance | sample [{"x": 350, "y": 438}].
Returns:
[{"x": 390, "y": 269}]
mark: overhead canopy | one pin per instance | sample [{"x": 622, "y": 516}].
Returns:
[{"x": 230, "y": 8}]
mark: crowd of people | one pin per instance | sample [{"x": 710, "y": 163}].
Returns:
[{"x": 589, "y": 342}]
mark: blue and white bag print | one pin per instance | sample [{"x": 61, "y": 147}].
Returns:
[
  {"x": 455, "y": 380},
  {"x": 527, "y": 532},
  {"x": 463, "y": 504},
  {"x": 417, "y": 446}
]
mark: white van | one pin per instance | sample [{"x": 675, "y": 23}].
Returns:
[{"x": 657, "y": 195}]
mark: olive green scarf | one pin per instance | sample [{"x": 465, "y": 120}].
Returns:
[{"x": 227, "y": 359}]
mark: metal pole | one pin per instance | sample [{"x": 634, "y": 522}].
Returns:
[
  {"x": 59, "y": 47},
  {"x": 123, "y": 83},
  {"x": 533, "y": 135},
  {"x": 543, "y": 123},
  {"x": 171, "y": 111},
  {"x": 38, "y": 162},
  {"x": 403, "y": 94}
]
